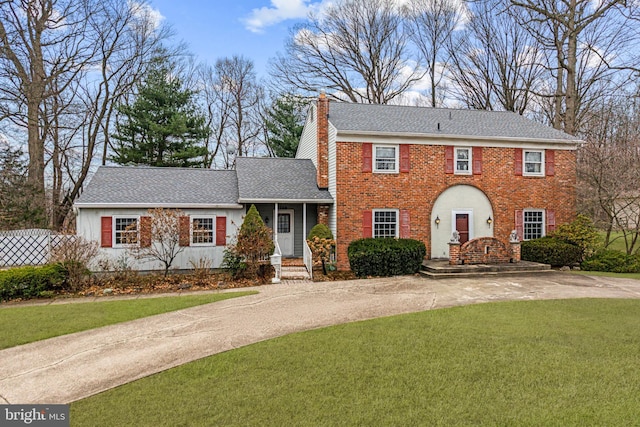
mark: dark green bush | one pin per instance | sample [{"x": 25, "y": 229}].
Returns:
[
  {"x": 385, "y": 257},
  {"x": 320, "y": 231},
  {"x": 31, "y": 282},
  {"x": 550, "y": 250},
  {"x": 612, "y": 261}
]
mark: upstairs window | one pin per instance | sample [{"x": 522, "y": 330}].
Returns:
[
  {"x": 533, "y": 163},
  {"x": 385, "y": 158},
  {"x": 463, "y": 161}
]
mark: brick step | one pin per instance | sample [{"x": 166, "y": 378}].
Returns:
[
  {"x": 442, "y": 269},
  {"x": 294, "y": 273}
]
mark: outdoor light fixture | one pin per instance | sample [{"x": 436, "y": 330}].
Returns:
[
  {"x": 489, "y": 220},
  {"x": 437, "y": 221},
  {"x": 266, "y": 220}
]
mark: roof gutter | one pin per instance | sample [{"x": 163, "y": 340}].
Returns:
[
  {"x": 158, "y": 205},
  {"x": 316, "y": 201},
  {"x": 366, "y": 136}
]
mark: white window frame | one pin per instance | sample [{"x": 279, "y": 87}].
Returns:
[
  {"x": 373, "y": 222},
  {"x": 192, "y": 219},
  {"x": 524, "y": 223},
  {"x": 115, "y": 232},
  {"x": 396, "y": 149},
  {"x": 457, "y": 171},
  {"x": 524, "y": 163}
]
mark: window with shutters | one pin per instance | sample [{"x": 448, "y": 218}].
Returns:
[
  {"x": 533, "y": 224},
  {"x": 533, "y": 162},
  {"x": 385, "y": 158},
  {"x": 202, "y": 230},
  {"x": 463, "y": 161},
  {"x": 125, "y": 231},
  {"x": 385, "y": 223}
]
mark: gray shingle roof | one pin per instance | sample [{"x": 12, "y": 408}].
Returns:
[
  {"x": 395, "y": 119},
  {"x": 278, "y": 179},
  {"x": 145, "y": 186}
]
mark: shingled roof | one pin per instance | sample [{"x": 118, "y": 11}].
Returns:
[
  {"x": 395, "y": 119},
  {"x": 279, "y": 180},
  {"x": 139, "y": 186}
]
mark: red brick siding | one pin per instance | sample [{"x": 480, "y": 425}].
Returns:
[
  {"x": 417, "y": 190},
  {"x": 485, "y": 250}
]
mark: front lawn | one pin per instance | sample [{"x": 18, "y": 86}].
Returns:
[
  {"x": 534, "y": 363},
  {"x": 608, "y": 274},
  {"x": 21, "y": 325}
]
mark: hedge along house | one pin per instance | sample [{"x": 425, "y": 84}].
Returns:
[
  {"x": 117, "y": 200},
  {"x": 423, "y": 173}
]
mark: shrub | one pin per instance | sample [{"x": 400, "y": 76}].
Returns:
[
  {"x": 321, "y": 243},
  {"x": 75, "y": 254},
  {"x": 233, "y": 263},
  {"x": 580, "y": 232},
  {"x": 550, "y": 250},
  {"x": 612, "y": 261},
  {"x": 385, "y": 257},
  {"x": 253, "y": 246},
  {"x": 31, "y": 282}
]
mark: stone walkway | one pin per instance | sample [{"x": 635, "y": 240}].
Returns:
[{"x": 70, "y": 367}]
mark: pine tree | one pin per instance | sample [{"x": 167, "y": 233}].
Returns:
[
  {"x": 284, "y": 123},
  {"x": 162, "y": 127}
]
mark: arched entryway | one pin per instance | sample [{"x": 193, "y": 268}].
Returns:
[{"x": 461, "y": 207}]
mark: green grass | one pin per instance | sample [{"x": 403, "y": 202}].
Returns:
[
  {"x": 534, "y": 363},
  {"x": 617, "y": 242},
  {"x": 21, "y": 325}
]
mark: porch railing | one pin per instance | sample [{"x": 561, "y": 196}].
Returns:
[{"x": 307, "y": 258}]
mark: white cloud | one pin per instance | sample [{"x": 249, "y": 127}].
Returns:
[
  {"x": 281, "y": 10},
  {"x": 146, "y": 14}
]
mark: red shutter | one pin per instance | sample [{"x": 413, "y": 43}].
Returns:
[
  {"x": 551, "y": 221},
  {"x": 145, "y": 231},
  {"x": 221, "y": 230},
  {"x": 519, "y": 224},
  {"x": 518, "y": 161},
  {"x": 105, "y": 232},
  {"x": 367, "y": 157},
  {"x": 550, "y": 162},
  {"x": 405, "y": 224},
  {"x": 477, "y": 160},
  {"x": 448, "y": 159},
  {"x": 367, "y": 224},
  {"x": 184, "y": 230},
  {"x": 405, "y": 163}
]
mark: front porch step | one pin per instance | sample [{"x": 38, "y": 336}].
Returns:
[
  {"x": 294, "y": 273},
  {"x": 437, "y": 269}
]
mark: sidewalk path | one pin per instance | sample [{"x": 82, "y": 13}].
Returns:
[{"x": 71, "y": 367}]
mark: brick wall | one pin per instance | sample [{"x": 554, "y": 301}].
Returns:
[
  {"x": 323, "y": 142},
  {"x": 485, "y": 250},
  {"x": 417, "y": 190}
]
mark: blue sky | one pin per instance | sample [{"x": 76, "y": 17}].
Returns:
[{"x": 213, "y": 29}]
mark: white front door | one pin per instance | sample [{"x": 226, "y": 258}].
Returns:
[{"x": 285, "y": 231}]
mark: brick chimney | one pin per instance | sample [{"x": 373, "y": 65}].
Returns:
[{"x": 323, "y": 141}]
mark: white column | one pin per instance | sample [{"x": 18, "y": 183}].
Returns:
[
  {"x": 304, "y": 223},
  {"x": 275, "y": 224}
]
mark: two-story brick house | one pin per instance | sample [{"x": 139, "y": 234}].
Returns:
[{"x": 423, "y": 173}]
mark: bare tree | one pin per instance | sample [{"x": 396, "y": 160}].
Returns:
[
  {"x": 41, "y": 42},
  {"x": 431, "y": 25},
  {"x": 585, "y": 40},
  {"x": 609, "y": 168},
  {"x": 495, "y": 62},
  {"x": 233, "y": 101},
  {"x": 112, "y": 42},
  {"x": 357, "y": 49}
]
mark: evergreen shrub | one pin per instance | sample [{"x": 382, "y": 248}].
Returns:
[
  {"x": 385, "y": 257},
  {"x": 551, "y": 250},
  {"x": 31, "y": 282},
  {"x": 612, "y": 261}
]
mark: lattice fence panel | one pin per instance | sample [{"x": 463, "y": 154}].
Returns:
[{"x": 28, "y": 247}]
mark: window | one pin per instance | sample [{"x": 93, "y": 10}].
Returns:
[
  {"x": 202, "y": 230},
  {"x": 463, "y": 161},
  {"x": 533, "y": 223},
  {"x": 284, "y": 223},
  {"x": 533, "y": 163},
  {"x": 385, "y": 223},
  {"x": 125, "y": 231},
  {"x": 386, "y": 158}
]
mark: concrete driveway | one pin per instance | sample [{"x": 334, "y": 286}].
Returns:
[{"x": 71, "y": 367}]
